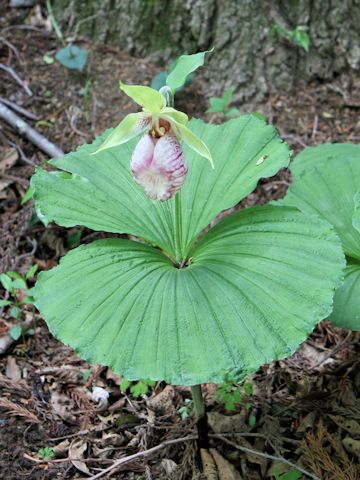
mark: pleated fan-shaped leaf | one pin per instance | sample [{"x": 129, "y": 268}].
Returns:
[
  {"x": 326, "y": 181},
  {"x": 98, "y": 191},
  {"x": 356, "y": 216},
  {"x": 254, "y": 288}
]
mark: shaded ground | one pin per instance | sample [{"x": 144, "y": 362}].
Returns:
[{"x": 303, "y": 407}]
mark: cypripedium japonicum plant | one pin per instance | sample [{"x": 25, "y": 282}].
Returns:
[{"x": 158, "y": 163}]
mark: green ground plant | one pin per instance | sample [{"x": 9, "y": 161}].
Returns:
[
  {"x": 326, "y": 182},
  {"x": 19, "y": 294},
  {"x": 222, "y": 104},
  {"x": 180, "y": 302},
  {"x": 298, "y": 35}
]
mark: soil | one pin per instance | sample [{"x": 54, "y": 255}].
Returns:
[{"x": 300, "y": 409}]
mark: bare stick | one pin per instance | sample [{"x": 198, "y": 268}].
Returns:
[
  {"x": 28, "y": 132},
  {"x": 16, "y": 77},
  {"x": 130, "y": 458},
  {"x": 17, "y": 108},
  {"x": 255, "y": 453}
]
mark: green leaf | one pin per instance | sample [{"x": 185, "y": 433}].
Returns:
[
  {"x": 15, "y": 332},
  {"x": 46, "y": 453},
  {"x": 15, "y": 312},
  {"x": 124, "y": 385},
  {"x": 159, "y": 80},
  {"x": 313, "y": 156},
  {"x": 292, "y": 475},
  {"x": 28, "y": 195},
  {"x": 356, "y": 216},
  {"x": 227, "y": 97},
  {"x": 5, "y": 303},
  {"x": 146, "y": 97},
  {"x": 217, "y": 105},
  {"x": 6, "y": 282},
  {"x": 32, "y": 271},
  {"x": 346, "y": 313},
  {"x": 185, "y": 65},
  {"x": 101, "y": 194},
  {"x": 259, "y": 282},
  {"x": 19, "y": 284},
  {"x": 233, "y": 112},
  {"x": 325, "y": 181},
  {"x": 73, "y": 57}
]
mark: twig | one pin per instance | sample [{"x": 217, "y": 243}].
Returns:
[
  {"x": 16, "y": 77},
  {"x": 17, "y": 108},
  {"x": 130, "y": 458},
  {"x": 264, "y": 455},
  {"x": 24, "y": 129}
]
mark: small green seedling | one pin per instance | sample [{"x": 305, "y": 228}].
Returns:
[
  {"x": 71, "y": 56},
  {"x": 221, "y": 104},
  {"x": 292, "y": 475},
  {"x": 137, "y": 389},
  {"x": 299, "y": 35},
  {"x": 186, "y": 409},
  {"x": 46, "y": 453},
  {"x": 17, "y": 285},
  {"x": 231, "y": 394},
  {"x": 180, "y": 73}
]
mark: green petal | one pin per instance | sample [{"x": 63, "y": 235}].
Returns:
[
  {"x": 132, "y": 125},
  {"x": 192, "y": 140},
  {"x": 146, "y": 97},
  {"x": 178, "y": 117}
]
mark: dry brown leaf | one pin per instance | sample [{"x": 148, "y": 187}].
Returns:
[
  {"x": 8, "y": 158},
  {"x": 226, "y": 471},
  {"x": 226, "y": 423},
  {"x": 352, "y": 446},
  {"x": 351, "y": 426},
  {"x": 12, "y": 369},
  {"x": 163, "y": 402},
  {"x": 61, "y": 449},
  {"x": 76, "y": 455},
  {"x": 62, "y": 406},
  {"x": 209, "y": 465}
]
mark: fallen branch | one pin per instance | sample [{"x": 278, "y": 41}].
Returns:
[
  {"x": 28, "y": 132},
  {"x": 17, "y": 108},
  {"x": 145, "y": 453},
  {"x": 264, "y": 455},
  {"x": 16, "y": 77}
]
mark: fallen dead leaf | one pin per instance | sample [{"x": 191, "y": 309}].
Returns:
[
  {"x": 8, "y": 158},
  {"x": 351, "y": 426},
  {"x": 352, "y": 446},
  {"x": 76, "y": 454},
  {"x": 162, "y": 403},
  {"x": 12, "y": 369},
  {"x": 209, "y": 465},
  {"x": 226, "y": 471}
]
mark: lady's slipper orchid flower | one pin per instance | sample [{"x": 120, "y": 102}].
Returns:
[{"x": 158, "y": 163}]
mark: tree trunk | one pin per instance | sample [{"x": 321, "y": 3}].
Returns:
[{"x": 247, "y": 54}]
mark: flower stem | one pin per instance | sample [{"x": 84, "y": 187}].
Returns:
[
  {"x": 178, "y": 226},
  {"x": 201, "y": 418}
]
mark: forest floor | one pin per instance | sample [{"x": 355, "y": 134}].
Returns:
[{"x": 299, "y": 409}]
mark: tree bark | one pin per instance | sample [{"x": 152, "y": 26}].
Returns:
[{"x": 247, "y": 55}]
